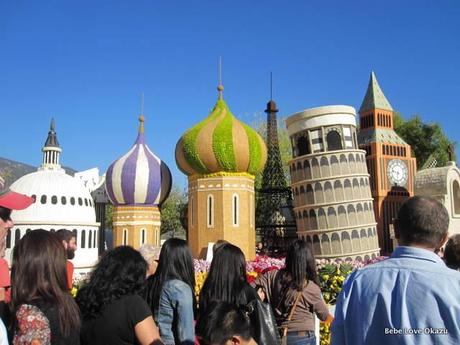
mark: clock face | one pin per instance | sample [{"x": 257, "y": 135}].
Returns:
[{"x": 397, "y": 172}]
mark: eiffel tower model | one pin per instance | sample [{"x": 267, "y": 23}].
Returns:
[{"x": 275, "y": 222}]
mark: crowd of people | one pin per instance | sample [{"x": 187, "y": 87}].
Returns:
[{"x": 149, "y": 296}]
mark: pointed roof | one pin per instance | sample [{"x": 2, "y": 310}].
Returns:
[
  {"x": 374, "y": 99},
  {"x": 51, "y": 140}
]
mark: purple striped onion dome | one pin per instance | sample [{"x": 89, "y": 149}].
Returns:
[{"x": 139, "y": 177}]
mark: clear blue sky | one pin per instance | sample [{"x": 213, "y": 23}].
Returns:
[{"x": 87, "y": 62}]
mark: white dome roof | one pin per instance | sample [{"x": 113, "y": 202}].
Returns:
[{"x": 61, "y": 199}]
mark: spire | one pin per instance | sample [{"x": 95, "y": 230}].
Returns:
[
  {"x": 51, "y": 150},
  {"x": 141, "y": 117},
  {"x": 220, "y": 87},
  {"x": 374, "y": 99},
  {"x": 51, "y": 140}
]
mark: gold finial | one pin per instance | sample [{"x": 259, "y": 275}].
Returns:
[
  {"x": 141, "y": 123},
  {"x": 220, "y": 87}
]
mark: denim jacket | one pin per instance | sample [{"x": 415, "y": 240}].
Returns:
[{"x": 175, "y": 314}]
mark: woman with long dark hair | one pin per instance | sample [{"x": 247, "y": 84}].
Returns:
[
  {"x": 113, "y": 311},
  {"x": 170, "y": 293},
  {"x": 45, "y": 312},
  {"x": 226, "y": 280},
  {"x": 294, "y": 294}
]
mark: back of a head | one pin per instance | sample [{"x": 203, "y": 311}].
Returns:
[
  {"x": 422, "y": 221},
  {"x": 39, "y": 267},
  {"x": 175, "y": 262},
  {"x": 120, "y": 272},
  {"x": 39, "y": 273},
  {"x": 452, "y": 252},
  {"x": 150, "y": 252},
  {"x": 222, "y": 321},
  {"x": 226, "y": 276},
  {"x": 300, "y": 263},
  {"x": 64, "y": 235}
]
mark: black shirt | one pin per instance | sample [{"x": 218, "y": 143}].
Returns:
[{"x": 116, "y": 324}]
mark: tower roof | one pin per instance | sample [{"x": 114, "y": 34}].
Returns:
[
  {"x": 51, "y": 140},
  {"x": 220, "y": 143},
  {"x": 374, "y": 99}
]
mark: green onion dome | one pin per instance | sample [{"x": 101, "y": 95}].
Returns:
[{"x": 220, "y": 144}]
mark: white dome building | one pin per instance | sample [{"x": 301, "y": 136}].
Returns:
[{"x": 61, "y": 202}]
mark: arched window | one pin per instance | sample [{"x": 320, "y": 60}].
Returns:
[
  {"x": 43, "y": 199},
  {"x": 83, "y": 239},
  {"x": 235, "y": 209},
  {"x": 303, "y": 146},
  {"x": 63, "y": 200},
  {"x": 72, "y": 201},
  {"x": 34, "y": 197},
  {"x": 143, "y": 236},
  {"x": 54, "y": 199},
  {"x": 90, "y": 238},
  {"x": 456, "y": 196},
  {"x": 17, "y": 236},
  {"x": 125, "y": 237},
  {"x": 192, "y": 209},
  {"x": 210, "y": 211},
  {"x": 334, "y": 141},
  {"x": 95, "y": 239},
  {"x": 80, "y": 201},
  {"x": 8, "y": 239},
  {"x": 74, "y": 232},
  {"x": 86, "y": 202}
]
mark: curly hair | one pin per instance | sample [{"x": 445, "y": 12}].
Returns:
[
  {"x": 452, "y": 252},
  {"x": 120, "y": 272}
]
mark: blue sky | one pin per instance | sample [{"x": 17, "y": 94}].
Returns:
[{"x": 86, "y": 63}]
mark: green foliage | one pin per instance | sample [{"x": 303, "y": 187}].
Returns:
[
  {"x": 424, "y": 138},
  {"x": 255, "y": 151},
  {"x": 109, "y": 216},
  {"x": 170, "y": 213},
  {"x": 189, "y": 142},
  {"x": 222, "y": 143}
]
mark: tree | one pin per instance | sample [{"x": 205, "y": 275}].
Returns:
[
  {"x": 426, "y": 139},
  {"x": 171, "y": 212}
]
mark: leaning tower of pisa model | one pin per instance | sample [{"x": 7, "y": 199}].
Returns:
[{"x": 330, "y": 184}]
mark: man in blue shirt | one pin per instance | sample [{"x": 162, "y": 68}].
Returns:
[{"x": 410, "y": 298}]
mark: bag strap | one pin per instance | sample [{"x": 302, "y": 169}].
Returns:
[{"x": 299, "y": 293}]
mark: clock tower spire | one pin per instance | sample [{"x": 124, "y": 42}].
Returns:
[{"x": 389, "y": 160}]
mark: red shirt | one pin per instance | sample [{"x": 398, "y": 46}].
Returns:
[
  {"x": 5, "y": 278},
  {"x": 69, "y": 274}
]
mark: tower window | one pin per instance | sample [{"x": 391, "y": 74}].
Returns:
[
  {"x": 17, "y": 236},
  {"x": 54, "y": 199},
  {"x": 72, "y": 201},
  {"x": 303, "y": 146},
  {"x": 63, "y": 200},
  {"x": 334, "y": 141},
  {"x": 125, "y": 237},
  {"x": 143, "y": 236},
  {"x": 83, "y": 239},
  {"x": 43, "y": 199},
  {"x": 90, "y": 238},
  {"x": 86, "y": 202},
  {"x": 95, "y": 239},
  {"x": 235, "y": 209},
  {"x": 8, "y": 239},
  {"x": 210, "y": 211},
  {"x": 80, "y": 202}
]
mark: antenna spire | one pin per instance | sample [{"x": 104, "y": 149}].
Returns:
[
  {"x": 271, "y": 86},
  {"x": 141, "y": 117},
  {"x": 220, "y": 87}
]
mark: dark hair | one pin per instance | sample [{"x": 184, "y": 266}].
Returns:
[
  {"x": 39, "y": 275},
  {"x": 5, "y": 213},
  {"x": 422, "y": 220},
  {"x": 217, "y": 245},
  {"x": 120, "y": 272},
  {"x": 221, "y": 322},
  {"x": 452, "y": 252},
  {"x": 175, "y": 262},
  {"x": 226, "y": 278},
  {"x": 64, "y": 235},
  {"x": 300, "y": 265}
]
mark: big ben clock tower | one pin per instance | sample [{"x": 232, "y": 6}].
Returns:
[{"x": 389, "y": 161}]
